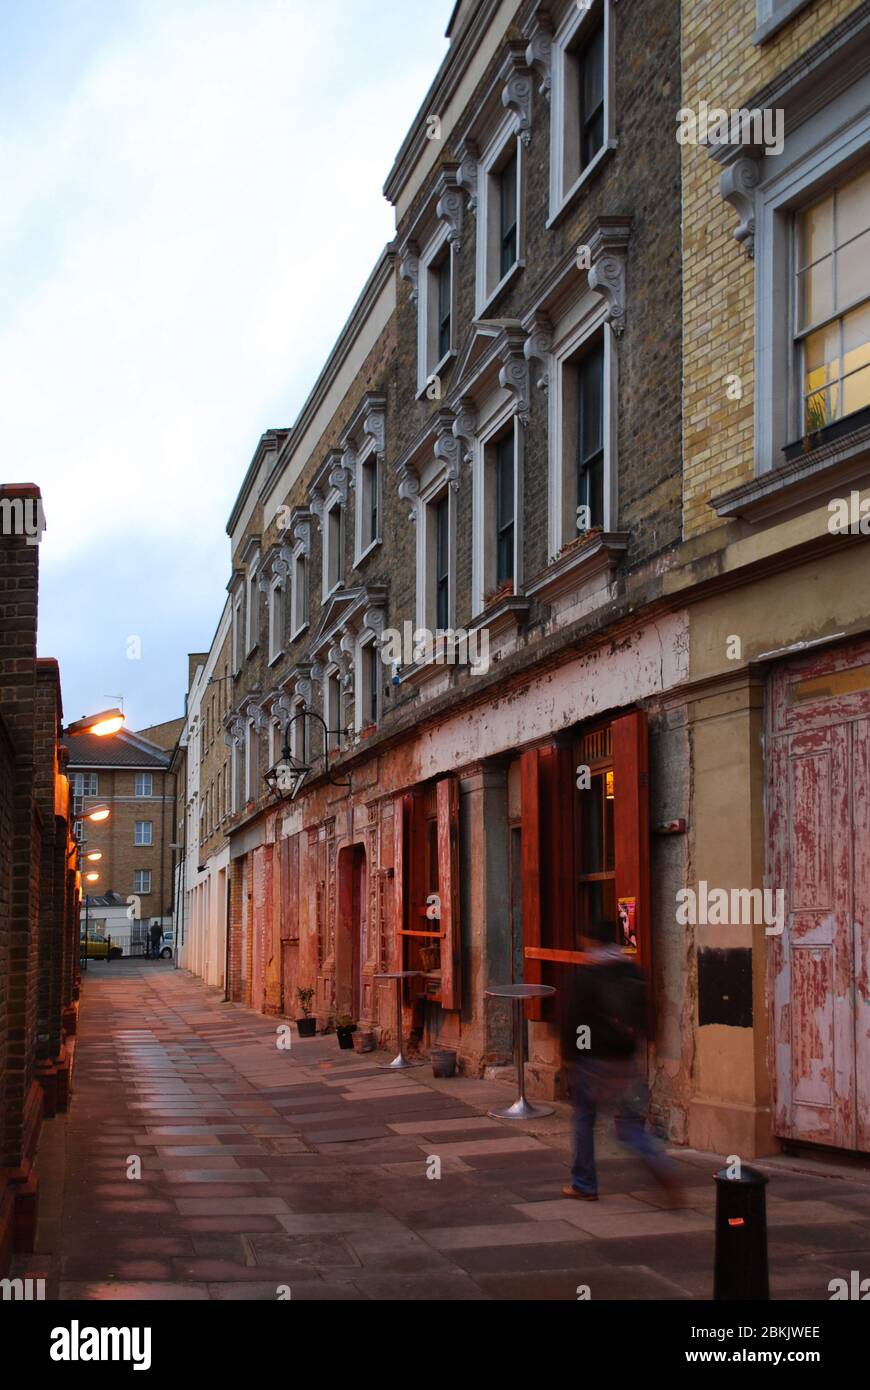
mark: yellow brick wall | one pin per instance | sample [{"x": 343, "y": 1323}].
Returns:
[{"x": 722, "y": 66}]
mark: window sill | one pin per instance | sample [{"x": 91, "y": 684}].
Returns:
[
  {"x": 597, "y": 553},
  {"x": 273, "y": 660},
  {"x": 841, "y": 457},
  {"x": 771, "y": 26},
  {"x": 557, "y": 212},
  {"x": 294, "y": 636},
  {"x": 489, "y": 304},
  {"x": 437, "y": 371},
  {"x": 331, "y": 593},
  {"x": 503, "y": 614},
  {"x": 364, "y": 554}
]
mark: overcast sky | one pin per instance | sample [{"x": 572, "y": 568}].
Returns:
[{"x": 191, "y": 203}]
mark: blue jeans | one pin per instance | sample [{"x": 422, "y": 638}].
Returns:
[{"x": 597, "y": 1080}]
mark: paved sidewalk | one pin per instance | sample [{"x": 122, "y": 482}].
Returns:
[{"x": 307, "y": 1169}]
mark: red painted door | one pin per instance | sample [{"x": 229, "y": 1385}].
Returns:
[{"x": 819, "y": 855}]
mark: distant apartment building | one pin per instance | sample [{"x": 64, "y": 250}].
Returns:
[{"x": 131, "y": 773}]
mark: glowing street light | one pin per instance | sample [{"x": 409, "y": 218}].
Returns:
[
  {"x": 92, "y": 877},
  {"x": 100, "y": 812},
  {"x": 94, "y": 855},
  {"x": 108, "y": 721}
]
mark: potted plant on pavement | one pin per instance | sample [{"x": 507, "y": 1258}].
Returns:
[
  {"x": 307, "y": 1024},
  {"x": 345, "y": 1029}
]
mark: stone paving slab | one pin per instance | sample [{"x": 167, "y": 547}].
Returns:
[{"x": 310, "y": 1169}]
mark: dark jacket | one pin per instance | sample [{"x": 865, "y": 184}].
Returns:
[{"x": 610, "y": 998}]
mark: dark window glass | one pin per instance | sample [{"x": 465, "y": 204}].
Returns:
[
  {"x": 445, "y": 277},
  {"x": 504, "y": 508},
  {"x": 508, "y": 212},
  {"x": 590, "y": 434},
  {"x": 442, "y": 562},
  {"x": 592, "y": 97}
]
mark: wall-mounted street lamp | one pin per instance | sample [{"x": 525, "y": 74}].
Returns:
[
  {"x": 109, "y": 721},
  {"x": 285, "y": 779}
]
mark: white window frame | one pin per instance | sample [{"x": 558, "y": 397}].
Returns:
[
  {"x": 147, "y": 833},
  {"x": 250, "y": 759},
  {"x": 86, "y": 784},
  {"x": 333, "y": 502},
  {"x": 141, "y": 877},
  {"x": 426, "y": 553},
  {"x": 368, "y": 459},
  {"x": 333, "y": 699},
  {"x": 588, "y": 322},
  {"x": 367, "y": 650},
  {"x": 299, "y": 732},
  {"x": 142, "y": 780},
  {"x": 822, "y": 152},
  {"x": 429, "y": 363},
  {"x": 237, "y": 633},
  {"x": 562, "y": 193},
  {"x": 252, "y": 607},
  {"x": 276, "y": 619},
  {"x": 299, "y": 592},
  {"x": 483, "y": 513},
  {"x": 487, "y": 290}
]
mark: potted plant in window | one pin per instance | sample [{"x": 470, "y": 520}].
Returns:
[
  {"x": 307, "y": 1024},
  {"x": 344, "y": 1030}
]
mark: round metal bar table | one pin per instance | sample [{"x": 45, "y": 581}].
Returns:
[
  {"x": 521, "y": 1108},
  {"x": 400, "y": 1061}
]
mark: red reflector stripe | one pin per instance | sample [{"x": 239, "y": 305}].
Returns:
[{"x": 736, "y": 1221}]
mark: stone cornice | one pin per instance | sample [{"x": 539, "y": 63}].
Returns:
[{"x": 458, "y": 59}]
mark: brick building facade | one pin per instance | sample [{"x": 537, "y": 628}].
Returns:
[
  {"x": 39, "y": 891},
  {"x": 513, "y": 588}
]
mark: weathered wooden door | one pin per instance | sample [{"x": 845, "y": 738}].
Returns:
[{"x": 819, "y": 856}]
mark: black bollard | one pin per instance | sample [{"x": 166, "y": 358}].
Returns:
[{"x": 741, "y": 1236}]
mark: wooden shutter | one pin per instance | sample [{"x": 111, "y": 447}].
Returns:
[
  {"x": 530, "y": 865},
  {"x": 289, "y": 860},
  {"x": 546, "y": 861},
  {"x": 401, "y": 864},
  {"x": 447, "y": 804},
  {"x": 631, "y": 820}
]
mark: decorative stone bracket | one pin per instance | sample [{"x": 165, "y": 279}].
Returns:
[
  {"x": 607, "y": 247},
  {"x": 409, "y": 267},
  {"x": 540, "y": 49},
  {"x": 465, "y": 426},
  {"x": 409, "y": 488},
  {"x": 518, "y": 91},
  {"x": 514, "y": 374},
  {"x": 737, "y": 186},
  {"x": 447, "y": 449},
  {"x": 537, "y": 348},
  {"x": 466, "y": 174},
  {"x": 450, "y": 207}
]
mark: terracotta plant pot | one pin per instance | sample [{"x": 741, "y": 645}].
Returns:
[
  {"x": 306, "y": 1027},
  {"x": 364, "y": 1042},
  {"x": 443, "y": 1061}
]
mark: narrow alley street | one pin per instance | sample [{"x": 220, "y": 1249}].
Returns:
[{"x": 268, "y": 1173}]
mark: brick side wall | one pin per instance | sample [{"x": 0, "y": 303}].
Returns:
[{"x": 723, "y": 67}]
